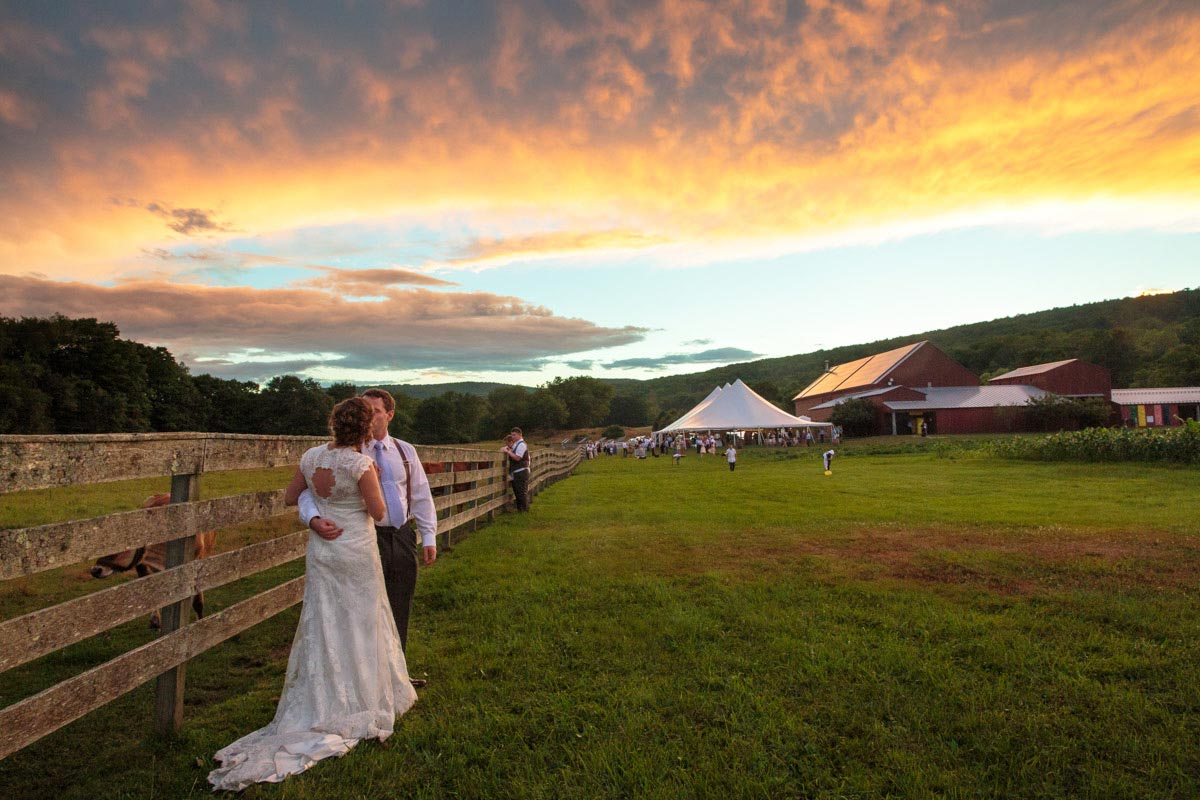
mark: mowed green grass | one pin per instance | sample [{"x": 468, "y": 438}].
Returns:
[{"x": 911, "y": 626}]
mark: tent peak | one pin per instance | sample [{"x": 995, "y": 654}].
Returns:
[{"x": 737, "y": 407}]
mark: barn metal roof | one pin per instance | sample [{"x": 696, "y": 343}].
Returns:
[
  {"x": 944, "y": 397},
  {"x": 863, "y": 372},
  {"x": 872, "y": 393},
  {"x": 1036, "y": 369},
  {"x": 1170, "y": 394}
]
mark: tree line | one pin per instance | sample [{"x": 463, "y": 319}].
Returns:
[{"x": 63, "y": 375}]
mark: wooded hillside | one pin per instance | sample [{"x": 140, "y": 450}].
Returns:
[
  {"x": 1145, "y": 341},
  {"x": 61, "y": 375}
]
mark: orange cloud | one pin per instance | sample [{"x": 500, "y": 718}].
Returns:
[
  {"x": 493, "y": 252},
  {"x": 17, "y": 111},
  {"x": 710, "y": 128},
  {"x": 371, "y": 282}
]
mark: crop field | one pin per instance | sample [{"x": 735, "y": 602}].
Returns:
[{"x": 934, "y": 623}]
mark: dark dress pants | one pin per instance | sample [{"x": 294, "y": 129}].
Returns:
[
  {"x": 520, "y": 487},
  {"x": 399, "y": 554}
]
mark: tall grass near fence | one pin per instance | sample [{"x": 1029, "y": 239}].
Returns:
[
  {"x": 1179, "y": 445},
  {"x": 911, "y": 626}
]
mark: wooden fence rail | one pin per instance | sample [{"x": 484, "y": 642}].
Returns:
[{"x": 468, "y": 485}]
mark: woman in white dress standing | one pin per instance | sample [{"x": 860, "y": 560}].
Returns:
[{"x": 346, "y": 678}]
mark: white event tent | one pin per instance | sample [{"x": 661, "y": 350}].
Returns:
[{"x": 737, "y": 407}]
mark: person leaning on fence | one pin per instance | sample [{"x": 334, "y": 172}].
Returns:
[
  {"x": 409, "y": 500},
  {"x": 518, "y": 467}
]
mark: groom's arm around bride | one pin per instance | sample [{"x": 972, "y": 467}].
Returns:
[{"x": 410, "y": 509}]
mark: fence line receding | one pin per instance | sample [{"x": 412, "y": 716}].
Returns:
[{"x": 468, "y": 485}]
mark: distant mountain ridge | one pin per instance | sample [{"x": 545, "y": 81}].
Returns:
[
  {"x": 422, "y": 391},
  {"x": 1145, "y": 341}
]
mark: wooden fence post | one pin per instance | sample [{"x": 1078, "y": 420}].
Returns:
[
  {"x": 491, "y": 514},
  {"x": 168, "y": 693},
  {"x": 474, "y": 503}
]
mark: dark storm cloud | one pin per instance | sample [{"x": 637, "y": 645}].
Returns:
[{"x": 214, "y": 74}]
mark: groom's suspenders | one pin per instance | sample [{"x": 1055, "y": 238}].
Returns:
[{"x": 407, "y": 482}]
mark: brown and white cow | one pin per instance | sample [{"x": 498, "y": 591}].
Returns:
[{"x": 153, "y": 558}]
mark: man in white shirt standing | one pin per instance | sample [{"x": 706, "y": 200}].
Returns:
[
  {"x": 518, "y": 467},
  {"x": 409, "y": 499}
]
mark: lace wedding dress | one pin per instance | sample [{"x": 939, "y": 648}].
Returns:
[{"x": 346, "y": 676}]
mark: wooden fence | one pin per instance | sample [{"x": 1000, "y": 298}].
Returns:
[{"x": 468, "y": 485}]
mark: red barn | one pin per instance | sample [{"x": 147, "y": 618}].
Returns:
[
  {"x": 1070, "y": 378},
  {"x": 879, "y": 398},
  {"x": 964, "y": 409},
  {"x": 944, "y": 409},
  {"x": 916, "y": 365}
]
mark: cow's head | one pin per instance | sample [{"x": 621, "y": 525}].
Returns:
[{"x": 126, "y": 559}]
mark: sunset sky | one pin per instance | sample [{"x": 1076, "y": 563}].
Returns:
[{"x": 409, "y": 192}]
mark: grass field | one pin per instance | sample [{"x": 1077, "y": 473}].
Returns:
[{"x": 912, "y": 626}]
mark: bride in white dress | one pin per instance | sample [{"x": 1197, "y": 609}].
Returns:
[{"x": 346, "y": 676}]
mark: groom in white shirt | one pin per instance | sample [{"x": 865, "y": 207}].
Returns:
[{"x": 409, "y": 499}]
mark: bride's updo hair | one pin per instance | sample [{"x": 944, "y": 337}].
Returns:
[{"x": 350, "y": 422}]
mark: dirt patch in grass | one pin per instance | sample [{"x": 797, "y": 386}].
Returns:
[
  {"x": 1022, "y": 562},
  {"x": 1010, "y": 561},
  {"x": 951, "y": 574}
]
